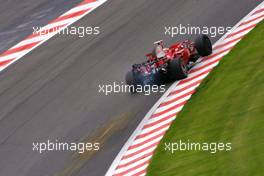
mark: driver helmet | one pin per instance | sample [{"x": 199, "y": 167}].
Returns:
[
  {"x": 159, "y": 43},
  {"x": 158, "y": 50}
]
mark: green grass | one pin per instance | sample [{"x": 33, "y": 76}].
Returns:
[{"x": 228, "y": 107}]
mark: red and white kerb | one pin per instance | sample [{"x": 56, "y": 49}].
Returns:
[
  {"x": 48, "y": 31},
  {"x": 135, "y": 156}
]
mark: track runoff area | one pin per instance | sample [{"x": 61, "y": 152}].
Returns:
[
  {"x": 135, "y": 156},
  {"x": 220, "y": 131}
]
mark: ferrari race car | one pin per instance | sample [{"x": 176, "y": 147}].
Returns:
[{"x": 169, "y": 64}]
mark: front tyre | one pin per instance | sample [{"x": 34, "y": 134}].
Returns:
[{"x": 203, "y": 45}]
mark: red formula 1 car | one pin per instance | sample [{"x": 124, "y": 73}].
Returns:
[{"x": 171, "y": 63}]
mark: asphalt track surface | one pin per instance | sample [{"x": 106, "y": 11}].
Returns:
[
  {"x": 19, "y": 17},
  {"x": 52, "y": 93}
]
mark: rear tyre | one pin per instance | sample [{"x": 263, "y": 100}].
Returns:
[
  {"x": 131, "y": 81},
  {"x": 203, "y": 45},
  {"x": 157, "y": 78},
  {"x": 177, "y": 69}
]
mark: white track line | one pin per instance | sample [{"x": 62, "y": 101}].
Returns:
[
  {"x": 135, "y": 155},
  {"x": 66, "y": 19}
]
